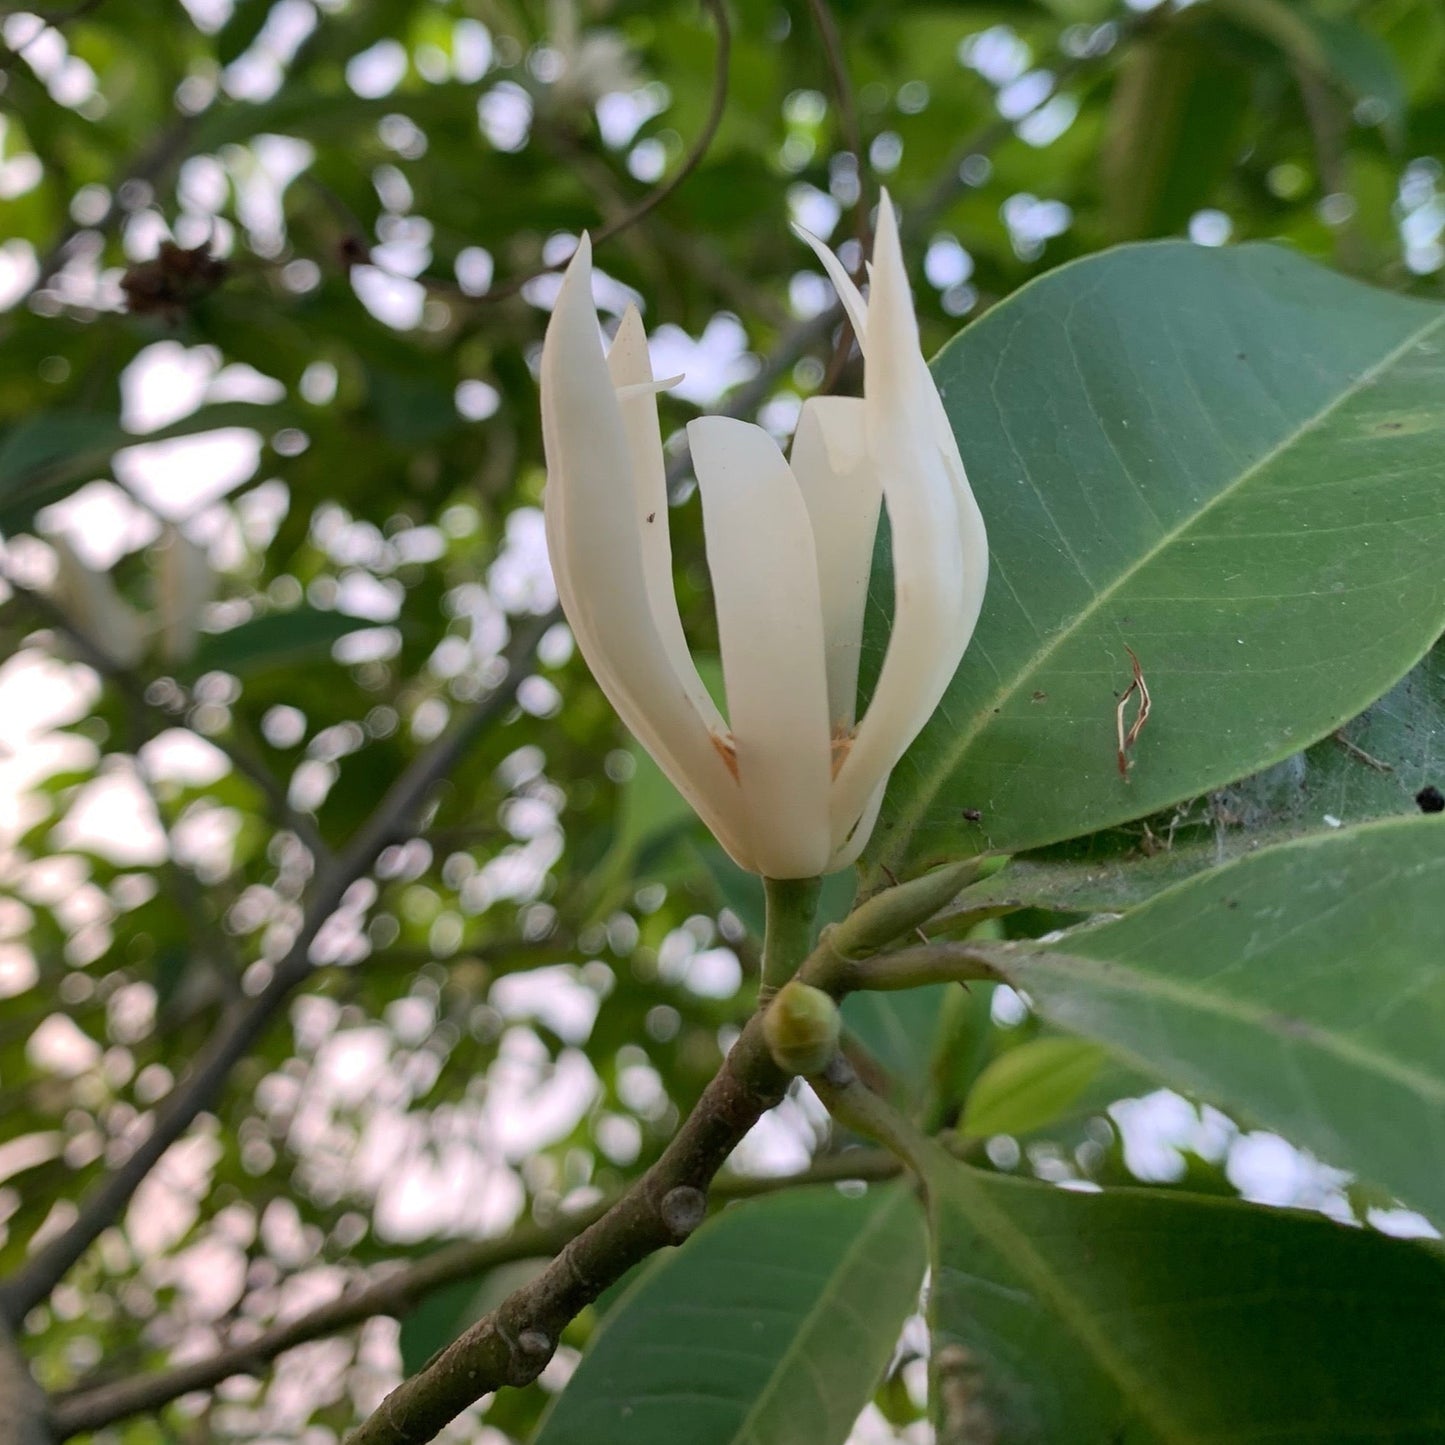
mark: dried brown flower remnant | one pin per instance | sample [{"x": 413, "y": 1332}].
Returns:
[{"x": 172, "y": 282}]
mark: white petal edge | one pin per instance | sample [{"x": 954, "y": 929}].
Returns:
[
  {"x": 595, "y": 543},
  {"x": 843, "y": 495},
  {"x": 848, "y": 845},
  {"x": 848, "y": 293},
  {"x": 770, "y": 626}
]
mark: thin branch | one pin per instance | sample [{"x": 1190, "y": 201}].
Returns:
[
  {"x": 655, "y": 197},
  {"x": 242, "y": 1025},
  {"x": 511, "y": 1345},
  {"x": 827, "y": 28}
]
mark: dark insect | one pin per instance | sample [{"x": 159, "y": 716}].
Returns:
[
  {"x": 972, "y": 815},
  {"x": 1430, "y": 799}
]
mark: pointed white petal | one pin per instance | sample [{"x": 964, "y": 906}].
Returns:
[
  {"x": 843, "y": 494},
  {"x": 630, "y": 368},
  {"x": 594, "y": 537},
  {"x": 770, "y": 625},
  {"x": 935, "y": 603},
  {"x": 848, "y": 293}
]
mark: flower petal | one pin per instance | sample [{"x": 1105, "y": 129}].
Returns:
[
  {"x": 848, "y": 293},
  {"x": 843, "y": 495},
  {"x": 770, "y": 624},
  {"x": 594, "y": 538},
  {"x": 630, "y": 368},
  {"x": 938, "y": 562},
  {"x": 847, "y": 849}
]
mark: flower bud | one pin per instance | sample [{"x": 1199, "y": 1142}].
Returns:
[{"x": 801, "y": 1027}]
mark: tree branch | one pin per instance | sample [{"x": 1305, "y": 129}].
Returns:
[
  {"x": 398, "y": 1291},
  {"x": 511, "y": 1346},
  {"x": 242, "y": 1024}
]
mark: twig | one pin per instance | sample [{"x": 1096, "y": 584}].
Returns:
[
  {"x": 398, "y": 1292},
  {"x": 243, "y": 1024},
  {"x": 655, "y": 197},
  {"x": 1356, "y": 751},
  {"x": 512, "y": 1345},
  {"x": 832, "y": 43}
]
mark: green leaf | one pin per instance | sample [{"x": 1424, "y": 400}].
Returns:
[
  {"x": 1159, "y": 470},
  {"x": 772, "y": 1326},
  {"x": 1158, "y": 1318},
  {"x": 1031, "y": 1086},
  {"x": 898, "y": 1030},
  {"x": 1300, "y": 987},
  {"x": 274, "y": 640}
]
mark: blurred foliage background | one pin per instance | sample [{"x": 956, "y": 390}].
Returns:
[{"x": 291, "y": 740}]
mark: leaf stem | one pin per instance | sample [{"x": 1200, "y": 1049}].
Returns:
[{"x": 852, "y": 1103}]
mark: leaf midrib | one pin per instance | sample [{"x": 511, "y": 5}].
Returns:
[
  {"x": 908, "y": 820},
  {"x": 803, "y": 1333},
  {"x": 1015, "y": 1247}
]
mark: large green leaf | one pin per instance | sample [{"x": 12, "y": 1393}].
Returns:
[
  {"x": 1230, "y": 461},
  {"x": 1138, "y": 1317},
  {"x": 1301, "y": 987},
  {"x": 772, "y": 1326}
]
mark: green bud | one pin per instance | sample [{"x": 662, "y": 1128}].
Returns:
[{"x": 801, "y": 1027}]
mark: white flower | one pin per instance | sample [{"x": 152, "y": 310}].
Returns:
[{"x": 789, "y": 783}]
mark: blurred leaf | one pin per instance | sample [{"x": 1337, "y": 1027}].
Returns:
[
  {"x": 1174, "y": 125},
  {"x": 1159, "y": 472},
  {"x": 1170, "y": 1319},
  {"x": 1031, "y": 1086},
  {"x": 1299, "y": 987},
  {"x": 50, "y": 455},
  {"x": 772, "y": 1325},
  {"x": 274, "y": 640},
  {"x": 1336, "y": 47}
]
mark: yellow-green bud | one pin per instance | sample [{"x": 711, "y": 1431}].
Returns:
[{"x": 801, "y": 1027}]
